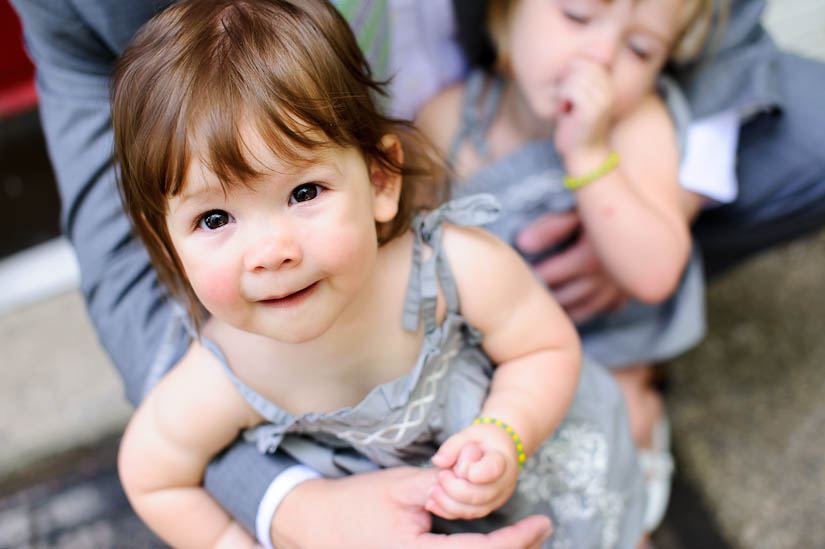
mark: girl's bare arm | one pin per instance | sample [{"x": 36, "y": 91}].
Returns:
[
  {"x": 525, "y": 333},
  {"x": 190, "y": 416},
  {"x": 633, "y": 214}
]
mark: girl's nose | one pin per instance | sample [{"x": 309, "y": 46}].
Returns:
[
  {"x": 275, "y": 249},
  {"x": 604, "y": 47}
]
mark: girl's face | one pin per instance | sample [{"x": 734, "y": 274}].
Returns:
[
  {"x": 286, "y": 255},
  {"x": 631, "y": 39}
]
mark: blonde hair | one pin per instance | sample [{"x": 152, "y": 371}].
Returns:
[
  {"x": 698, "y": 21},
  {"x": 199, "y": 71}
]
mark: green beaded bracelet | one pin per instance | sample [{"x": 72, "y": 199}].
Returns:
[
  {"x": 574, "y": 183},
  {"x": 522, "y": 457}
]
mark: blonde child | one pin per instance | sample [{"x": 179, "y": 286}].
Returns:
[
  {"x": 336, "y": 316},
  {"x": 570, "y": 119}
]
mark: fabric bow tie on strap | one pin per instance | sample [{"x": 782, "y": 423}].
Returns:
[{"x": 425, "y": 278}]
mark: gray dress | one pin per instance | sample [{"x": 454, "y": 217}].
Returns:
[
  {"x": 585, "y": 477},
  {"x": 528, "y": 183}
]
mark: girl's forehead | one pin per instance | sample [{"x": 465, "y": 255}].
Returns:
[
  {"x": 248, "y": 154},
  {"x": 665, "y": 19},
  {"x": 258, "y": 159}
]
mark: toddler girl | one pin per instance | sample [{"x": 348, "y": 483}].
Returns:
[
  {"x": 570, "y": 119},
  {"x": 338, "y": 317}
]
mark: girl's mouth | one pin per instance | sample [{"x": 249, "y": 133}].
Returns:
[{"x": 292, "y": 299}]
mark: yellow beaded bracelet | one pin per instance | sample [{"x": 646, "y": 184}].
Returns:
[
  {"x": 574, "y": 183},
  {"x": 522, "y": 457}
]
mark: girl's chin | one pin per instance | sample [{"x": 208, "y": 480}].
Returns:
[
  {"x": 545, "y": 108},
  {"x": 545, "y": 112}
]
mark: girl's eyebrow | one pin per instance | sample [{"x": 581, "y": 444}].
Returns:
[
  {"x": 661, "y": 37},
  {"x": 315, "y": 163},
  {"x": 199, "y": 190},
  {"x": 646, "y": 26}
]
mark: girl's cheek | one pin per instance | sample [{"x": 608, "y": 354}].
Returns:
[
  {"x": 217, "y": 289},
  {"x": 347, "y": 243}
]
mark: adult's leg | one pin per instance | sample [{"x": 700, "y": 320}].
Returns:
[{"x": 781, "y": 171}]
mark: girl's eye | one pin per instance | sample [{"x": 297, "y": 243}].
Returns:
[
  {"x": 581, "y": 18},
  {"x": 214, "y": 219},
  {"x": 642, "y": 53},
  {"x": 304, "y": 193}
]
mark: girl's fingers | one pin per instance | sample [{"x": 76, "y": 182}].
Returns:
[
  {"x": 489, "y": 469},
  {"x": 451, "y": 508},
  {"x": 469, "y": 455},
  {"x": 432, "y": 506},
  {"x": 466, "y": 492},
  {"x": 448, "y": 452}
]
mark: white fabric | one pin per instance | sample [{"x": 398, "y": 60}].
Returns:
[
  {"x": 657, "y": 467},
  {"x": 424, "y": 53},
  {"x": 275, "y": 493},
  {"x": 709, "y": 165},
  {"x": 37, "y": 273}
]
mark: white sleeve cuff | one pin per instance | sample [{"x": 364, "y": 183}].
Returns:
[
  {"x": 280, "y": 487},
  {"x": 709, "y": 164}
]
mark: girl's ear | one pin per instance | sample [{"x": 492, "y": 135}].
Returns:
[{"x": 386, "y": 183}]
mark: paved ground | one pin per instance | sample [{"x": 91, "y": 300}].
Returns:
[
  {"x": 748, "y": 405},
  {"x": 73, "y": 501}
]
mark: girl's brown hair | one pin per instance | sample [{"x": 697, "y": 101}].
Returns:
[{"x": 197, "y": 73}]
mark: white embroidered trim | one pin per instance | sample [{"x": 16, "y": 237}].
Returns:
[{"x": 414, "y": 414}]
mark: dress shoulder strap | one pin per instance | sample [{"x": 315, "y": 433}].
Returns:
[
  {"x": 678, "y": 107},
  {"x": 260, "y": 403},
  {"x": 426, "y": 277},
  {"x": 476, "y": 118}
]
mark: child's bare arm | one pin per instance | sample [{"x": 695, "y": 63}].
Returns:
[
  {"x": 191, "y": 415},
  {"x": 633, "y": 214},
  {"x": 525, "y": 333},
  {"x": 538, "y": 358}
]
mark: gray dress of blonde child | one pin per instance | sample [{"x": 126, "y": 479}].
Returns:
[
  {"x": 584, "y": 477},
  {"x": 528, "y": 183}
]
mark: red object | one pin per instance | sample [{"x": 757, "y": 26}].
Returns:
[{"x": 17, "y": 93}]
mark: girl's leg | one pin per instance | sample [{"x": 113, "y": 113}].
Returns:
[
  {"x": 650, "y": 432},
  {"x": 644, "y": 401}
]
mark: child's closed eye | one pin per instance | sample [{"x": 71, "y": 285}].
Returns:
[
  {"x": 213, "y": 220},
  {"x": 305, "y": 192},
  {"x": 578, "y": 17},
  {"x": 639, "y": 51},
  {"x": 576, "y": 11}
]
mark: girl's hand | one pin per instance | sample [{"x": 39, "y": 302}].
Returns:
[
  {"x": 586, "y": 104},
  {"x": 479, "y": 470}
]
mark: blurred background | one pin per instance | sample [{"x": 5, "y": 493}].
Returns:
[{"x": 750, "y": 444}]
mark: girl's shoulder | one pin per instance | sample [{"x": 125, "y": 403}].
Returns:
[
  {"x": 197, "y": 391},
  {"x": 650, "y": 115},
  {"x": 472, "y": 250},
  {"x": 438, "y": 119}
]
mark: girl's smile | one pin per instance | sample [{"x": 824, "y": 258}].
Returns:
[{"x": 293, "y": 299}]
